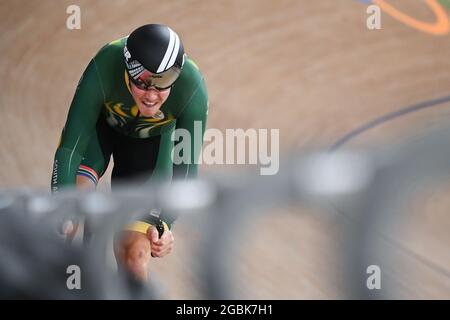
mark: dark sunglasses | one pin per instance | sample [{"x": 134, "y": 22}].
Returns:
[{"x": 159, "y": 81}]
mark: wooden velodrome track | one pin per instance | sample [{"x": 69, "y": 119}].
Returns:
[{"x": 309, "y": 68}]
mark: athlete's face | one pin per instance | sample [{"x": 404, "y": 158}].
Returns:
[{"x": 149, "y": 101}]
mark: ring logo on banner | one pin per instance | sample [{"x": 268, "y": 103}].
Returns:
[{"x": 440, "y": 27}]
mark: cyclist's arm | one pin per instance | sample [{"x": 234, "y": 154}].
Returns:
[
  {"x": 80, "y": 125},
  {"x": 196, "y": 110}
]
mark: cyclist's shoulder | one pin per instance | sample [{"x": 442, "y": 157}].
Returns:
[
  {"x": 111, "y": 51},
  {"x": 189, "y": 90},
  {"x": 191, "y": 78},
  {"x": 108, "y": 61},
  {"x": 191, "y": 70}
]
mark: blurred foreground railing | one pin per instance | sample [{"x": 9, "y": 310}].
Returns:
[{"x": 371, "y": 186}]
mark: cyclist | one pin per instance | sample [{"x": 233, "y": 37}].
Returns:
[{"x": 132, "y": 96}]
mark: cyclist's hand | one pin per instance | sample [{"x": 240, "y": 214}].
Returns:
[
  {"x": 68, "y": 229},
  {"x": 160, "y": 246}
]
